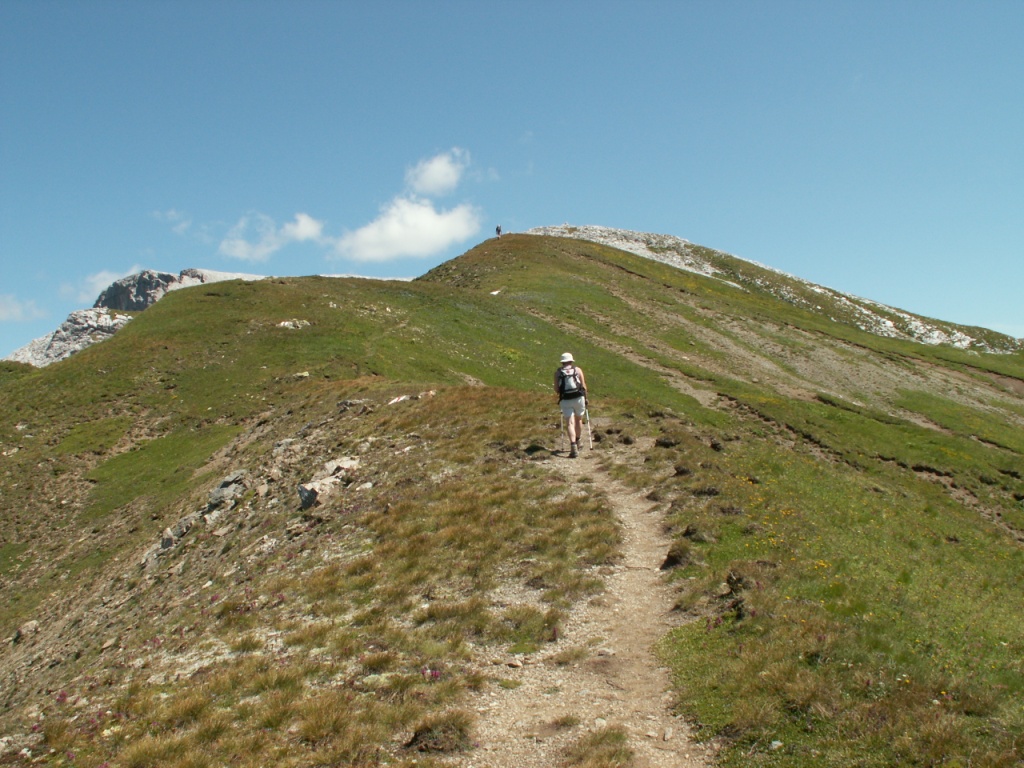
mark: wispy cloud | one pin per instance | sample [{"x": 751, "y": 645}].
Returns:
[
  {"x": 182, "y": 224},
  {"x": 408, "y": 227},
  {"x": 180, "y": 221},
  {"x": 87, "y": 290},
  {"x": 14, "y": 310},
  {"x": 256, "y": 237}
]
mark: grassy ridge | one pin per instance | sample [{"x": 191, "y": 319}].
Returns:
[
  {"x": 864, "y": 619},
  {"x": 847, "y": 511}
]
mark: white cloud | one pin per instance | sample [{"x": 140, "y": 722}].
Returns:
[
  {"x": 438, "y": 175},
  {"x": 13, "y": 310},
  {"x": 408, "y": 227},
  {"x": 303, "y": 228},
  {"x": 239, "y": 242}
]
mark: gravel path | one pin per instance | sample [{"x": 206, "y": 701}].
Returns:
[{"x": 617, "y": 681}]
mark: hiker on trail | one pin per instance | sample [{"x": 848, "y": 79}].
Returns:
[
  {"x": 571, "y": 388},
  {"x": 497, "y": 230}
]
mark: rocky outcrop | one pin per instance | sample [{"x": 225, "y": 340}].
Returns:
[
  {"x": 83, "y": 328},
  {"x": 222, "y": 499},
  {"x": 138, "y": 291}
]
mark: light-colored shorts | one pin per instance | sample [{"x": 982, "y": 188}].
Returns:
[{"x": 574, "y": 407}]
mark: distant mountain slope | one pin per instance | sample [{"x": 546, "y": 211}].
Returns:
[
  {"x": 865, "y": 314},
  {"x": 136, "y": 292},
  {"x": 85, "y": 327}
]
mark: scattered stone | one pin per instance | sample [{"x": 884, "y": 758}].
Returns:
[
  {"x": 343, "y": 466},
  {"x": 25, "y": 631},
  {"x": 376, "y": 682},
  {"x": 286, "y": 445},
  {"x": 229, "y": 489},
  {"x": 307, "y": 496}
]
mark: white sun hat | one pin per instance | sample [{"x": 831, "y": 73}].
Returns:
[{"x": 567, "y": 357}]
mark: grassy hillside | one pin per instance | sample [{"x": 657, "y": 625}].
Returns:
[{"x": 848, "y": 511}]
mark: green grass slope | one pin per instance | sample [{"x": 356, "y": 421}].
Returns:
[{"x": 848, "y": 510}]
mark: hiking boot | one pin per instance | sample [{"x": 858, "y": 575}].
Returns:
[{"x": 573, "y": 451}]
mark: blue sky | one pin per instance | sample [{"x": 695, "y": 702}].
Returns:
[{"x": 873, "y": 147}]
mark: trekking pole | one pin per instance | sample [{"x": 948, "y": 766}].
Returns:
[
  {"x": 561, "y": 431},
  {"x": 590, "y": 436}
]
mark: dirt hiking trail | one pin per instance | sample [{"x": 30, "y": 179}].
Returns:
[{"x": 614, "y": 678}]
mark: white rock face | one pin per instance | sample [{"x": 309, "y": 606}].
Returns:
[
  {"x": 83, "y": 328},
  {"x": 136, "y": 292},
  {"x": 668, "y": 249}
]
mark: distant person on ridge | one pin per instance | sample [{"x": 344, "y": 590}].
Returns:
[
  {"x": 571, "y": 388},
  {"x": 497, "y": 230}
]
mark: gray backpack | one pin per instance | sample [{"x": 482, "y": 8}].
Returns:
[{"x": 569, "y": 386}]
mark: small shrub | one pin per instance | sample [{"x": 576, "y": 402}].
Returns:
[
  {"x": 444, "y": 732},
  {"x": 604, "y": 748},
  {"x": 57, "y": 733},
  {"x": 382, "y": 661},
  {"x": 309, "y": 636},
  {"x": 247, "y": 643},
  {"x": 152, "y": 752},
  {"x": 569, "y": 656},
  {"x": 185, "y": 709},
  {"x": 565, "y": 722},
  {"x": 325, "y": 717}
]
